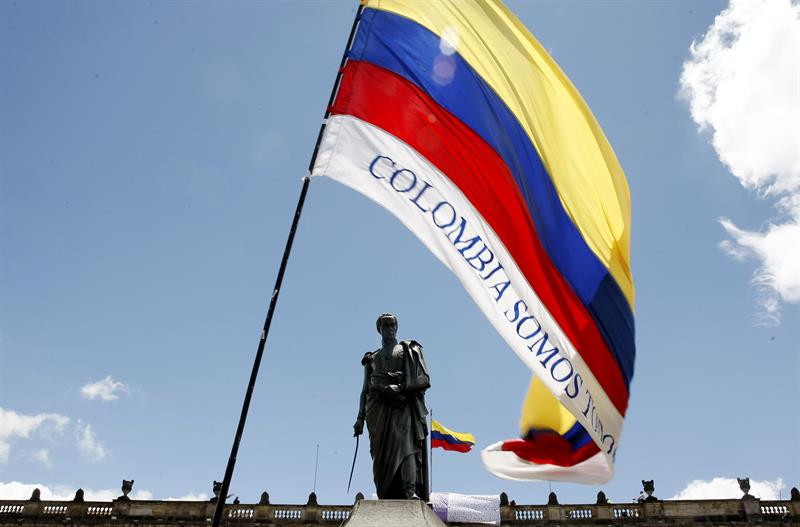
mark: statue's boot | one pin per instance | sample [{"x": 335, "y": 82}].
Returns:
[{"x": 410, "y": 492}]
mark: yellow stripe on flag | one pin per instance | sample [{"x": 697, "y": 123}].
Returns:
[
  {"x": 437, "y": 426},
  {"x": 573, "y": 148},
  {"x": 542, "y": 411}
]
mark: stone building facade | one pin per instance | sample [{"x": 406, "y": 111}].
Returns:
[
  {"x": 650, "y": 512},
  {"x": 647, "y": 511}
]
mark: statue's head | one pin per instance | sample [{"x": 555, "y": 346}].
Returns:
[{"x": 387, "y": 325}]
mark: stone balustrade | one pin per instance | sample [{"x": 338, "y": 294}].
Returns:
[
  {"x": 140, "y": 513},
  {"x": 708, "y": 512}
]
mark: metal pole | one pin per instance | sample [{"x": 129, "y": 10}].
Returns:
[
  {"x": 430, "y": 437},
  {"x": 335, "y": 89},
  {"x": 226, "y": 482},
  {"x": 316, "y": 464}
]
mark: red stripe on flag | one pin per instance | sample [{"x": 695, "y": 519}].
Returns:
[
  {"x": 388, "y": 101},
  {"x": 550, "y": 449},
  {"x": 457, "y": 447}
]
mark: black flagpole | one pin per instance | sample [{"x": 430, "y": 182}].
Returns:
[
  {"x": 226, "y": 482},
  {"x": 430, "y": 476}
]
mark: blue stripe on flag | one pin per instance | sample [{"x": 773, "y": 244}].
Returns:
[{"x": 410, "y": 50}]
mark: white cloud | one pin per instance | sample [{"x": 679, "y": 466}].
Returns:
[
  {"x": 105, "y": 389},
  {"x": 88, "y": 444},
  {"x": 190, "y": 497},
  {"x": 777, "y": 279},
  {"x": 43, "y": 457},
  {"x": 109, "y": 494},
  {"x": 15, "y": 490},
  {"x": 742, "y": 85},
  {"x": 14, "y": 425},
  {"x": 728, "y": 488},
  {"x": 741, "y": 82}
]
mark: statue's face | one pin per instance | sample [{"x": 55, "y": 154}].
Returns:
[{"x": 388, "y": 328}]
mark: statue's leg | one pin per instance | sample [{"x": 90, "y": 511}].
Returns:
[
  {"x": 408, "y": 472},
  {"x": 423, "y": 480}
]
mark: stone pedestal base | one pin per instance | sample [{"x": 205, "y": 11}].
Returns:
[{"x": 393, "y": 513}]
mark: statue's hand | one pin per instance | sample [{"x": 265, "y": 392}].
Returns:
[
  {"x": 393, "y": 388},
  {"x": 358, "y": 428}
]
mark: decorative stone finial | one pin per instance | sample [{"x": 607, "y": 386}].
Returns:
[
  {"x": 601, "y": 498},
  {"x": 359, "y": 496},
  {"x": 264, "y": 500},
  {"x": 216, "y": 488},
  {"x": 795, "y": 494},
  {"x": 649, "y": 486},
  {"x": 78, "y": 496},
  {"x": 744, "y": 486},
  {"x": 127, "y": 487},
  {"x": 503, "y": 499},
  {"x": 552, "y": 499},
  {"x": 312, "y": 499},
  {"x": 36, "y": 495}
]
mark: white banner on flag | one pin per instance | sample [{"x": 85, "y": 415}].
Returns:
[{"x": 389, "y": 172}]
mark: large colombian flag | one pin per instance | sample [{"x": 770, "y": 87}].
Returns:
[{"x": 455, "y": 119}]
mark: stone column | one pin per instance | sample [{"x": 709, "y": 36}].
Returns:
[{"x": 751, "y": 507}]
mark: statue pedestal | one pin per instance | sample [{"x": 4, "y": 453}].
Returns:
[{"x": 393, "y": 513}]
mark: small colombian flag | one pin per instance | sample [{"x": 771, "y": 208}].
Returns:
[{"x": 442, "y": 437}]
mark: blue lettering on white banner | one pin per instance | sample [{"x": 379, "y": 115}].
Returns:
[{"x": 483, "y": 261}]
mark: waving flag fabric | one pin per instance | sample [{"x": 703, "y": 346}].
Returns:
[
  {"x": 443, "y": 437},
  {"x": 454, "y": 118}
]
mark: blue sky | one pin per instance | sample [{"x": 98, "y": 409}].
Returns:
[{"x": 150, "y": 162}]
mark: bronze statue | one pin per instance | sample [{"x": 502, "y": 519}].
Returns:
[{"x": 392, "y": 403}]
